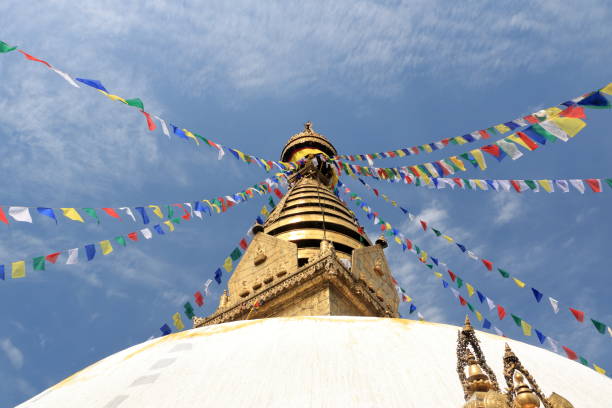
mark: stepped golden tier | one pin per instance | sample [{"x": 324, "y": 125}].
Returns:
[{"x": 309, "y": 320}]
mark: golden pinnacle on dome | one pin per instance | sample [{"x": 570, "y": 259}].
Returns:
[
  {"x": 508, "y": 353},
  {"x": 467, "y": 326},
  {"x": 525, "y": 398}
]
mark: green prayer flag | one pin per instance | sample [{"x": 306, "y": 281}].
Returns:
[
  {"x": 609, "y": 181},
  {"x": 175, "y": 220},
  {"x": 418, "y": 182},
  {"x": 39, "y": 263},
  {"x": 120, "y": 240},
  {"x": 470, "y": 307},
  {"x": 584, "y": 361},
  {"x": 92, "y": 213},
  {"x": 599, "y": 326},
  {"x": 136, "y": 102},
  {"x": 469, "y": 158},
  {"x": 452, "y": 164},
  {"x": 543, "y": 132},
  {"x": 516, "y": 319},
  {"x": 459, "y": 282},
  {"x": 236, "y": 254},
  {"x": 170, "y": 211},
  {"x": 492, "y": 131},
  {"x": 4, "y": 47},
  {"x": 454, "y": 141},
  {"x": 503, "y": 273},
  {"x": 417, "y": 249},
  {"x": 532, "y": 185},
  {"x": 467, "y": 184},
  {"x": 430, "y": 266},
  {"x": 438, "y": 233}
]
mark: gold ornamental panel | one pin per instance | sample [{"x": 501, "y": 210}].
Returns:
[
  {"x": 317, "y": 234},
  {"x": 315, "y": 207},
  {"x": 310, "y": 217}
]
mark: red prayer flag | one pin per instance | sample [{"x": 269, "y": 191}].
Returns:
[
  {"x": 527, "y": 140},
  {"x": 446, "y": 141},
  {"x": 375, "y": 191},
  {"x": 531, "y": 119},
  {"x": 462, "y": 301},
  {"x": 32, "y": 58},
  {"x": 133, "y": 236},
  {"x": 487, "y": 264},
  {"x": 445, "y": 171},
  {"x": 199, "y": 299},
  {"x": 111, "y": 212},
  {"x": 278, "y": 193},
  {"x": 53, "y": 257},
  {"x": 493, "y": 150},
  {"x": 452, "y": 275},
  {"x": 595, "y": 185},
  {"x": 484, "y": 134},
  {"x": 516, "y": 185},
  {"x": 409, "y": 244},
  {"x": 3, "y": 216},
  {"x": 570, "y": 353},
  {"x": 458, "y": 181},
  {"x": 394, "y": 281},
  {"x": 150, "y": 122},
  {"x": 501, "y": 312},
  {"x": 414, "y": 150},
  {"x": 243, "y": 244},
  {"x": 424, "y": 225},
  {"x": 574, "y": 112},
  {"x": 579, "y": 315},
  {"x": 392, "y": 154}
]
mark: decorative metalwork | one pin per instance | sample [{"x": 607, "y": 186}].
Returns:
[{"x": 521, "y": 395}]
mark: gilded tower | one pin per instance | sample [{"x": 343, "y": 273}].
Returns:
[{"x": 311, "y": 257}]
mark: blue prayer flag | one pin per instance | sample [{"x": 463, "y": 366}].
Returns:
[
  {"x": 481, "y": 297},
  {"x": 94, "y": 83},
  {"x": 433, "y": 146},
  {"x": 596, "y": 99},
  {"x": 48, "y": 212},
  {"x": 235, "y": 153},
  {"x": 90, "y": 250},
  {"x": 179, "y": 132},
  {"x": 435, "y": 260},
  {"x": 218, "y": 275},
  {"x": 444, "y": 283},
  {"x": 158, "y": 229},
  {"x": 461, "y": 247},
  {"x": 405, "y": 211},
  {"x": 538, "y": 295},
  {"x": 468, "y": 137},
  {"x": 143, "y": 213},
  {"x": 541, "y": 337},
  {"x": 486, "y": 323},
  {"x": 2, "y": 272},
  {"x": 165, "y": 329},
  {"x": 511, "y": 125},
  {"x": 535, "y": 135},
  {"x": 259, "y": 220},
  {"x": 490, "y": 183},
  {"x": 412, "y": 308}
]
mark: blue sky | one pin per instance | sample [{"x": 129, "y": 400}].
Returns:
[{"x": 371, "y": 75}]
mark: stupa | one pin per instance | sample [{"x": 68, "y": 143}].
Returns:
[{"x": 310, "y": 319}]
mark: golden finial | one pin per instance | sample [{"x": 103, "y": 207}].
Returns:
[
  {"x": 525, "y": 398},
  {"x": 308, "y": 127},
  {"x": 467, "y": 326}
]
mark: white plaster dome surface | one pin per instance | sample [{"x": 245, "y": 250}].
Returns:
[{"x": 308, "y": 362}]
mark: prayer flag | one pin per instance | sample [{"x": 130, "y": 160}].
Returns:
[
  {"x": 516, "y": 319},
  {"x": 481, "y": 297},
  {"x": 578, "y": 185},
  {"x": 595, "y": 185},
  {"x": 165, "y": 329},
  {"x": 599, "y": 369},
  {"x": 479, "y": 157},
  {"x": 90, "y": 250},
  {"x": 32, "y": 58},
  {"x": 503, "y": 273},
  {"x": 470, "y": 289},
  {"x": 48, "y": 212},
  {"x": 510, "y": 149},
  {"x": 519, "y": 283},
  {"x": 92, "y": 213},
  {"x": 170, "y": 224},
  {"x": 2, "y": 272},
  {"x": 501, "y": 312},
  {"x": 94, "y": 83},
  {"x": 218, "y": 276},
  {"x": 73, "y": 256},
  {"x": 111, "y": 212},
  {"x": 4, "y": 47},
  {"x": 3, "y": 216},
  {"x": 462, "y": 300},
  {"x": 595, "y": 100},
  {"x": 178, "y": 323},
  {"x": 199, "y": 299},
  {"x": 146, "y": 233},
  {"x": 157, "y": 211},
  {"x": 206, "y": 285},
  {"x": 39, "y": 263},
  {"x": 526, "y": 328},
  {"x": 537, "y": 294},
  {"x": 607, "y": 89},
  {"x": 136, "y": 102},
  {"x": 121, "y": 240},
  {"x": 555, "y": 304},
  {"x": 20, "y": 214},
  {"x": 189, "y": 310},
  {"x": 53, "y": 257},
  {"x": 478, "y": 315},
  {"x": 128, "y": 211},
  {"x": 106, "y": 247},
  {"x": 571, "y": 126},
  {"x": 143, "y": 214},
  {"x": 18, "y": 270},
  {"x": 236, "y": 254},
  {"x": 72, "y": 214},
  {"x": 579, "y": 315},
  {"x": 486, "y": 324},
  {"x": 227, "y": 265},
  {"x": 133, "y": 236},
  {"x": 487, "y": 264},
  {"x": 570, "y": 353},
  {"x": 158, "y": 229},
  {"x": 599, "y": 326},
  {"x": 412, "y": 308}
]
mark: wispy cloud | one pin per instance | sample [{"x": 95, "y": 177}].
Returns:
[
  {"x": 14, "y": 355},
  {"x": 507, "y": 205}
]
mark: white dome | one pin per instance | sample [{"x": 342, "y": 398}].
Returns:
[{"x": 308, "y": 362}]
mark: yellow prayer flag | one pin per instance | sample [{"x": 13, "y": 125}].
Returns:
[
  {"x": 106, "y": 247},
  {"x": 423, "y": 256},
  {"x": 449, "y": 239},
  {"x": 398, "y": 240},
  {"x": 470, "y": 289},
  {"x": 571, "y": 126},
  {"x": 514, "y": 138},
  {"x": 191, "y": 135},
  {"x": 400, "y": 153},
  {"x": 607, "y": 90},
  {"x": 170, "y": 225},
  {"x": 552, "y": 112},
  {"x": 432, "y": 170},
  {"x": 264, "y": 211},
  {"x": 481, "y": 184},
  {"x": 178, "y": 322},
  {"x": 18, "y": 270},
  {"x": 478, "y": 316},
  {"x": 427, "y": 148},
  {"x": 546, "y": 185},
  {"x": 477, "y": 153},
  {"x": 394, "y": 203},
  {"x": 213, "y": 206},
  {"x": 113, "y": 97},
  {"x": 72, "y": 214},
  {"x": 458, "y": 163},
  {"x": 460, "y": 140},
  {"x": 438, "y": 275},
  {"x": 526, "y": 328},
  {"x": 595, "y": 366},
  {"x": 228, "y": 264},
  {"x": 501, "y": 128},
  {"x": 425, "y": 178},
  {"x": 519, "y": 283},
  {"x": 157, "y": 211}
]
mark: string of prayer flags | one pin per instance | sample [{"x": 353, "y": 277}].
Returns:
[
  {"x": 165, "y": 329},
  {"x": 483, "y": 134},
  {"x": 139, "y": 105},
  {"x": 407, "y": 244}
]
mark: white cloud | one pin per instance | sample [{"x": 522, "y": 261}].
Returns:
[
  {"x": 14, "y": 355},
  {"x": 508, "y": 206}
]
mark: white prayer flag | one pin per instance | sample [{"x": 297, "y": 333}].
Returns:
[
  {"x": 562, "y": 184},
  {"x": 472, "y": 255},
  {"x": 73, "y": 256},
  {"x": 370, "y": 162},
  {"x": 520, "y": 121},
  {"x": 553, "y": 345},
  {"x": 476, "y": 135},
  {"x": 164, "y": 126},
  {"x": 146, "y": 233},
  {"x": 221, "y": 152},
  {"x": 555, "y": 130},
  {"x": 206, "y": 285},
  {"x": 491, "y": 304},
  {"x": 499, "y": 332},
  {"x": 128, "y": 212},
  {"x": 578, "y": 185},
  {"x": 20, "y": 214},
  {"x": 455, "y": 293},
  {"x": 505, "y": 184},
  {"x": 555, "y": 304},
  {"x": 510, "y": 149},
  {"x": 67, "y": 77}
]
